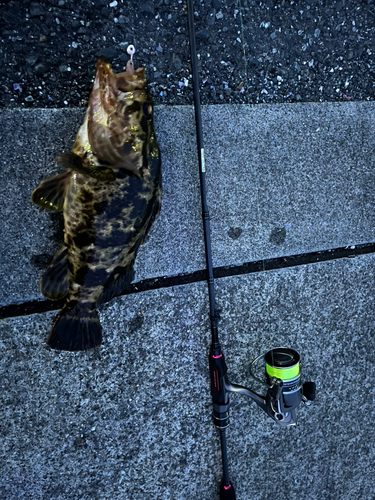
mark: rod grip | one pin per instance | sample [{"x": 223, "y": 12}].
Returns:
[
  {"x": 219, "y": 392},
  {"x": 218, "y": 371}
]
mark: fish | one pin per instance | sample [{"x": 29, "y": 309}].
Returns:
[{"x": 110, "y": 194}]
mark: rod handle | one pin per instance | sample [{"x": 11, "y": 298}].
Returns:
[{"x": 227, "y": 492}]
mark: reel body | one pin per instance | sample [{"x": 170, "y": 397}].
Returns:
[{"x": 283, "y": 375}]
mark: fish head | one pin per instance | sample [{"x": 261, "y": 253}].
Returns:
[
  {"x": 108, "y": 86},
  {"x": 117, "y": 105}
]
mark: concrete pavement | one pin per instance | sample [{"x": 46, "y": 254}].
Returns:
[{"x": 132, "y": 419}]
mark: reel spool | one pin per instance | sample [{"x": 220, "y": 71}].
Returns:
[{"x": 285, "y": 388}]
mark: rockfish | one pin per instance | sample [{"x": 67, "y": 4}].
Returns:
[{"x": 110, "y": 195}]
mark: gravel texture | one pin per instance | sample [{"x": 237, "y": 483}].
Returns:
[
  {"x": 132, "y": 419},
  {"x": 250, "y": 51}
]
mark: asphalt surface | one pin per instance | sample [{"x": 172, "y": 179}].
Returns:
[{"x": 250, "y": 51}]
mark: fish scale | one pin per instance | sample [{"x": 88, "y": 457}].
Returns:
[{"x": 110, "y": 196}]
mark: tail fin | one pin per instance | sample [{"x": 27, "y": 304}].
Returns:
[{"x": 76, "y": 328}]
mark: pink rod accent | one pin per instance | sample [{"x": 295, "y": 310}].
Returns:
[
  {"x": 227, "y": 487},
  {"x": 215, "y": 357}
]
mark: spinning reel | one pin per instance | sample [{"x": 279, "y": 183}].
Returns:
[{"x": 281, "y": 376}]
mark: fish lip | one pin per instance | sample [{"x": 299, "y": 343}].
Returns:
[{"x": 130, "y": 68}]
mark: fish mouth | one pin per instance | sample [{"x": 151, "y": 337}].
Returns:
[{"x": 129, "y": 80}]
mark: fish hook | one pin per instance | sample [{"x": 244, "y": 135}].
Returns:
[{"x": 131, "y": 50}]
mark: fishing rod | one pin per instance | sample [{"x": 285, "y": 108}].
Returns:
[{"x": 285, "y": 390}]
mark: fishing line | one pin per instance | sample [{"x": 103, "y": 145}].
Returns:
[{"x": 281, "y": 365}]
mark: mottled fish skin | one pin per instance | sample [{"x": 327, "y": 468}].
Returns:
[{"x": 110, "y": 200}]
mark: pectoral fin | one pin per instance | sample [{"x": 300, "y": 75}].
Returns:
[
  {"x": 50, "y": 193},
  {"x": 54, "y": 284},
  {"x": 70, "y": 160},
  {"x": 117, "y": 284}
]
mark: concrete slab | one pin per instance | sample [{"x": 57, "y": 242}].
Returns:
[
  {"x": 132, "y": 419},
  {"x": 289, "y": 179},
  {"x": 282, "y": 180}
]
